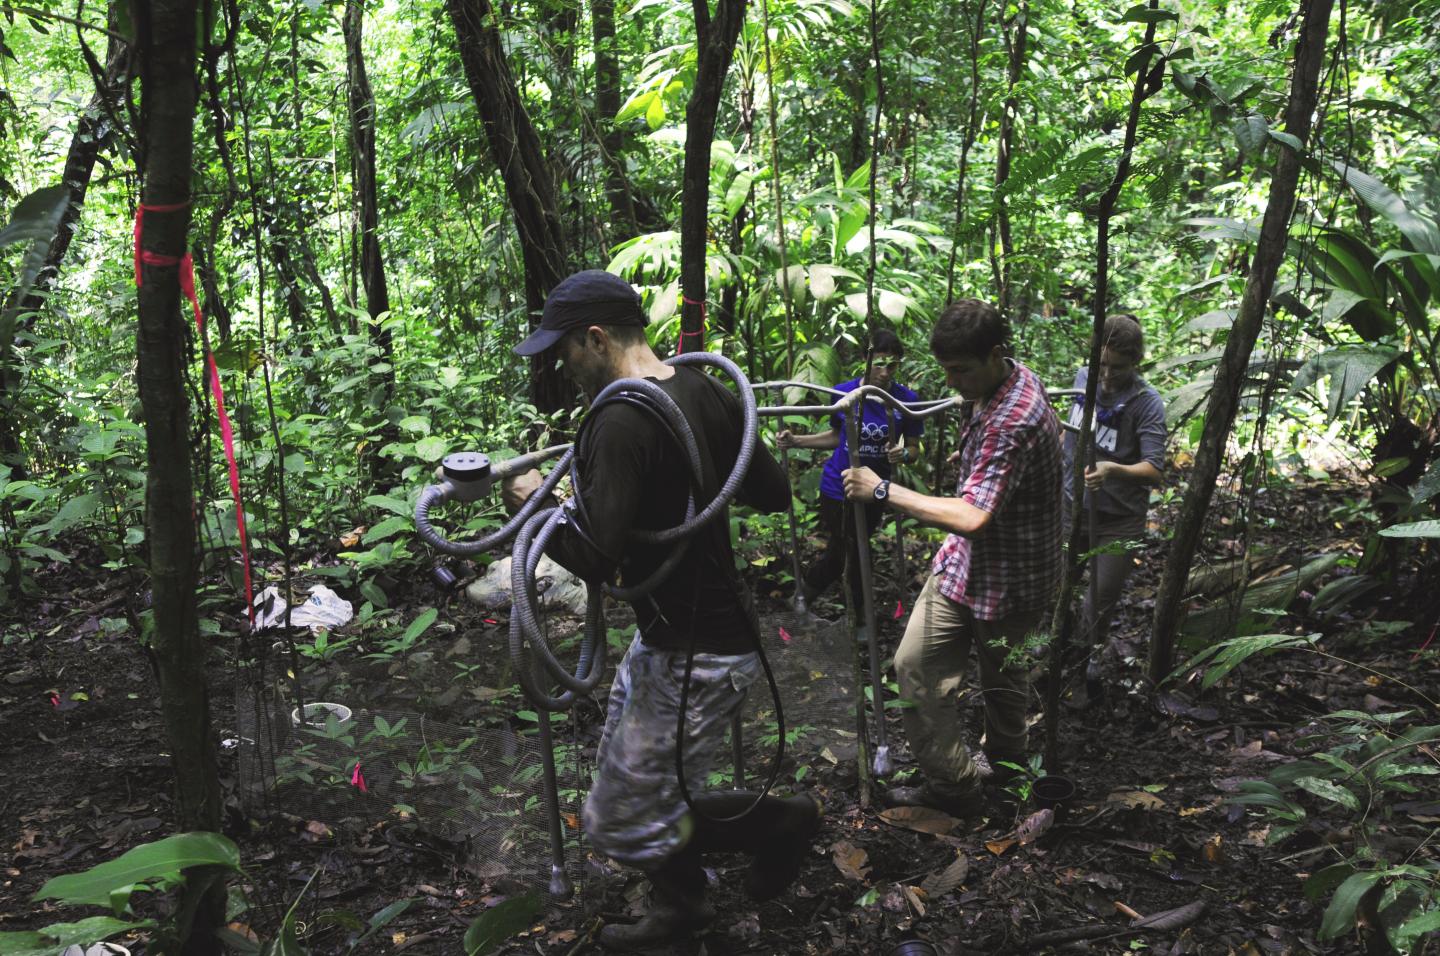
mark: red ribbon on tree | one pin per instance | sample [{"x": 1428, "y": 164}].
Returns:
[
  {"x": 680, "y": 347},
  {"x": 186, "y": 264}
]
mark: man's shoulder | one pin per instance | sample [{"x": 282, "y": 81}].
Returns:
[
  {"x": 904, "y": 393},
  {"x": 1028, "y": 402}
]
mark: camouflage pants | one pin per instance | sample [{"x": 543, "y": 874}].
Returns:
[{"x": 634, "y": 812}]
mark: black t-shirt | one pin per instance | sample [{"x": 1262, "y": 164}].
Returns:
[{"x": 633, "y": 474}]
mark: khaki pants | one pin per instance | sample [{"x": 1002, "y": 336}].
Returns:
[{"x": 930, "y": 665}]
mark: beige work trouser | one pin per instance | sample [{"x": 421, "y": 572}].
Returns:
[{"x": 930, "y": 665}]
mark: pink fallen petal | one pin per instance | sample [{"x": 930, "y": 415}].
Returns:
[
  {"x": 784, "y": 635},
  {"x": 899, "y": 610},
  {"x": 357, "y": 779}
]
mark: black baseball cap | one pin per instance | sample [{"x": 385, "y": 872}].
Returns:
[{"x": 592, "y": 297}]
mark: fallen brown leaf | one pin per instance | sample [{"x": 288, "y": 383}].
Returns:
[
  {"x": 998, "y": 847},
  {"x": 922, "y": 819},
  {"x": 1136, "y": 798},
  {"x": 915, "y": 896},
  {"x": 943, "y": 881},
  {"x": 851, "y": 861},
  {"x": 1035, "y": 826}
]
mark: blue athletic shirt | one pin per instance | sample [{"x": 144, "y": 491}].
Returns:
[{"x": 874, "y": 439}]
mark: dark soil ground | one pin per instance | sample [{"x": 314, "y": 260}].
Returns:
[{"x": 84, "y": 775}]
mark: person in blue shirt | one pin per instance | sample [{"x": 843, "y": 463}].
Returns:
[{"x": 879, "y": 451}]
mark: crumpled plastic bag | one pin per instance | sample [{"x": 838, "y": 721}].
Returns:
[
  {"x": 558, "y": 588},
  {"x": 322, "y": 609}
]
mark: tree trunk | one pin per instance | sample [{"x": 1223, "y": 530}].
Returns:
[
  {"x": 166, "y": 34},
  {"x": 1230, "y": 375},
  {"x": 715, "y": 41},
  {"x": 607, "y": 106},
  {"x": 1016, "y": 47},
  {"x": 528, "y": 182},
  {"x": 362, "y": 166},
  {"x": 1147, "y": 83}
]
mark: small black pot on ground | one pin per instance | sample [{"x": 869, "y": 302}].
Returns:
[{"x": 1054, "y": 793}]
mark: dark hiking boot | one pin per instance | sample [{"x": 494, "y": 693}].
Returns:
[
  {"x": 664, "y": 922},
  {"x": 775, "y": 831},
  {"x": 677, "y": 908},
  {"x": 958, "y": 802},
  {"x": 1000, "y": 773},
  {"x": 778, "y": 863}
]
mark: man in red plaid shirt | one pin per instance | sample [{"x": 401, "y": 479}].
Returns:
[{"x": 993, "y": 582}]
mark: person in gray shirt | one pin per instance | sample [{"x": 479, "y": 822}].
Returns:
[{"x": 1129, "y": 460}]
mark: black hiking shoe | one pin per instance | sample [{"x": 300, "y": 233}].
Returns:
[
  {"x": 666, "y": 921},
  {"x": 776, "y": 866},
  {"x": 960, "y": 803}
]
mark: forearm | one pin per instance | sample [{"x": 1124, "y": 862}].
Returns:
[
  {"x": 820, "y": 441},
  {"x": 950, "y": 514},
  {"x": 1140, "y": 473}
]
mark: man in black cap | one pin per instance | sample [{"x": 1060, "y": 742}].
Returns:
[{"x": 634, "y": 475}]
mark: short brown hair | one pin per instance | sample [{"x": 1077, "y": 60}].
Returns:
[
  {"x": 968, "y": 328},
  {"x": 1123, "y": 335}
]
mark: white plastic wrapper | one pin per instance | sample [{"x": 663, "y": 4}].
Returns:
[{"x": 322, "y": 609}]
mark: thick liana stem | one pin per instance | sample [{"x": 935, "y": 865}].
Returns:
[{"x": 1231, "y": 374}]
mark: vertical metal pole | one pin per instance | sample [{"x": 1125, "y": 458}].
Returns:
[
  {"x": 799, "y": 600},
  {"x": 737, "y": 751},
  {"x": 560, "y": 886},
  {"x": 902, "y": 580},
  {"x": 882, "y": 763}
]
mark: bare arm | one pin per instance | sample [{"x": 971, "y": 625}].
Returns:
[
  {"x": 1140, "y": 473},
  {"x": 822, "y": 441},
  {"x": 949, "y": 514}
]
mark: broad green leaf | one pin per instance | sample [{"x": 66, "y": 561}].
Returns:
[
  {"x": 849, "y": 225},
  {"x": 1322, "y": 882},
  {"x": 73, "y": 512},
  {"x": 665, "y": 303},
  {"x": 1141, "y": 13},
  {"x": 26, "y": 944},
  {"x": 1289, "y": 139},
  {"x": 892, "y": 304},
  {"x": 499, "y": 923},
  {"x": 386, "y": 528},
  {"x": 655, "y": 112},
  {"x": 1413, "y": 529},
  {"x": 431, "y": 448},
  {"x": 1340, "y": 914},
  {"x": 1419, "y": 926},
  {"x": 1423, "y": 234},
  {"x": 163, "y": 859},
  {"x": 449, "y": 377},
  {"x": 421, "y": 624},
  {"x": 793, "y": 279},
  {"x": 1428, "y": 486},
  {"x": 860, "y": 179},
  {"x": 822, "y": 281},
  {"x": 738, "y": 192},
  {"x": 1329, "y": 790},
  {"x": 390, "y": 504},
  {"x": 1251, "y": 131},
  {"x": 415, "y": 424},
  {"x": 1215, "y": 319},
  {"x": 35, "y": 220},
  {"x": 1350, "y": 368}
]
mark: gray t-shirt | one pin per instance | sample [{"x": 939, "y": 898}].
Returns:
[{"x": 1130, "y": 428}]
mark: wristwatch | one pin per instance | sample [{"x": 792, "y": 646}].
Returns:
[{"x": 882, "y": 492}]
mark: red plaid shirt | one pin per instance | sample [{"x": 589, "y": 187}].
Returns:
[{"x": 1010, "y": 467}]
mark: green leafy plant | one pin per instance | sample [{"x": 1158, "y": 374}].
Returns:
[
  {"x": 1351, "y": 786},
  {"x": 190, "y": 863}
]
